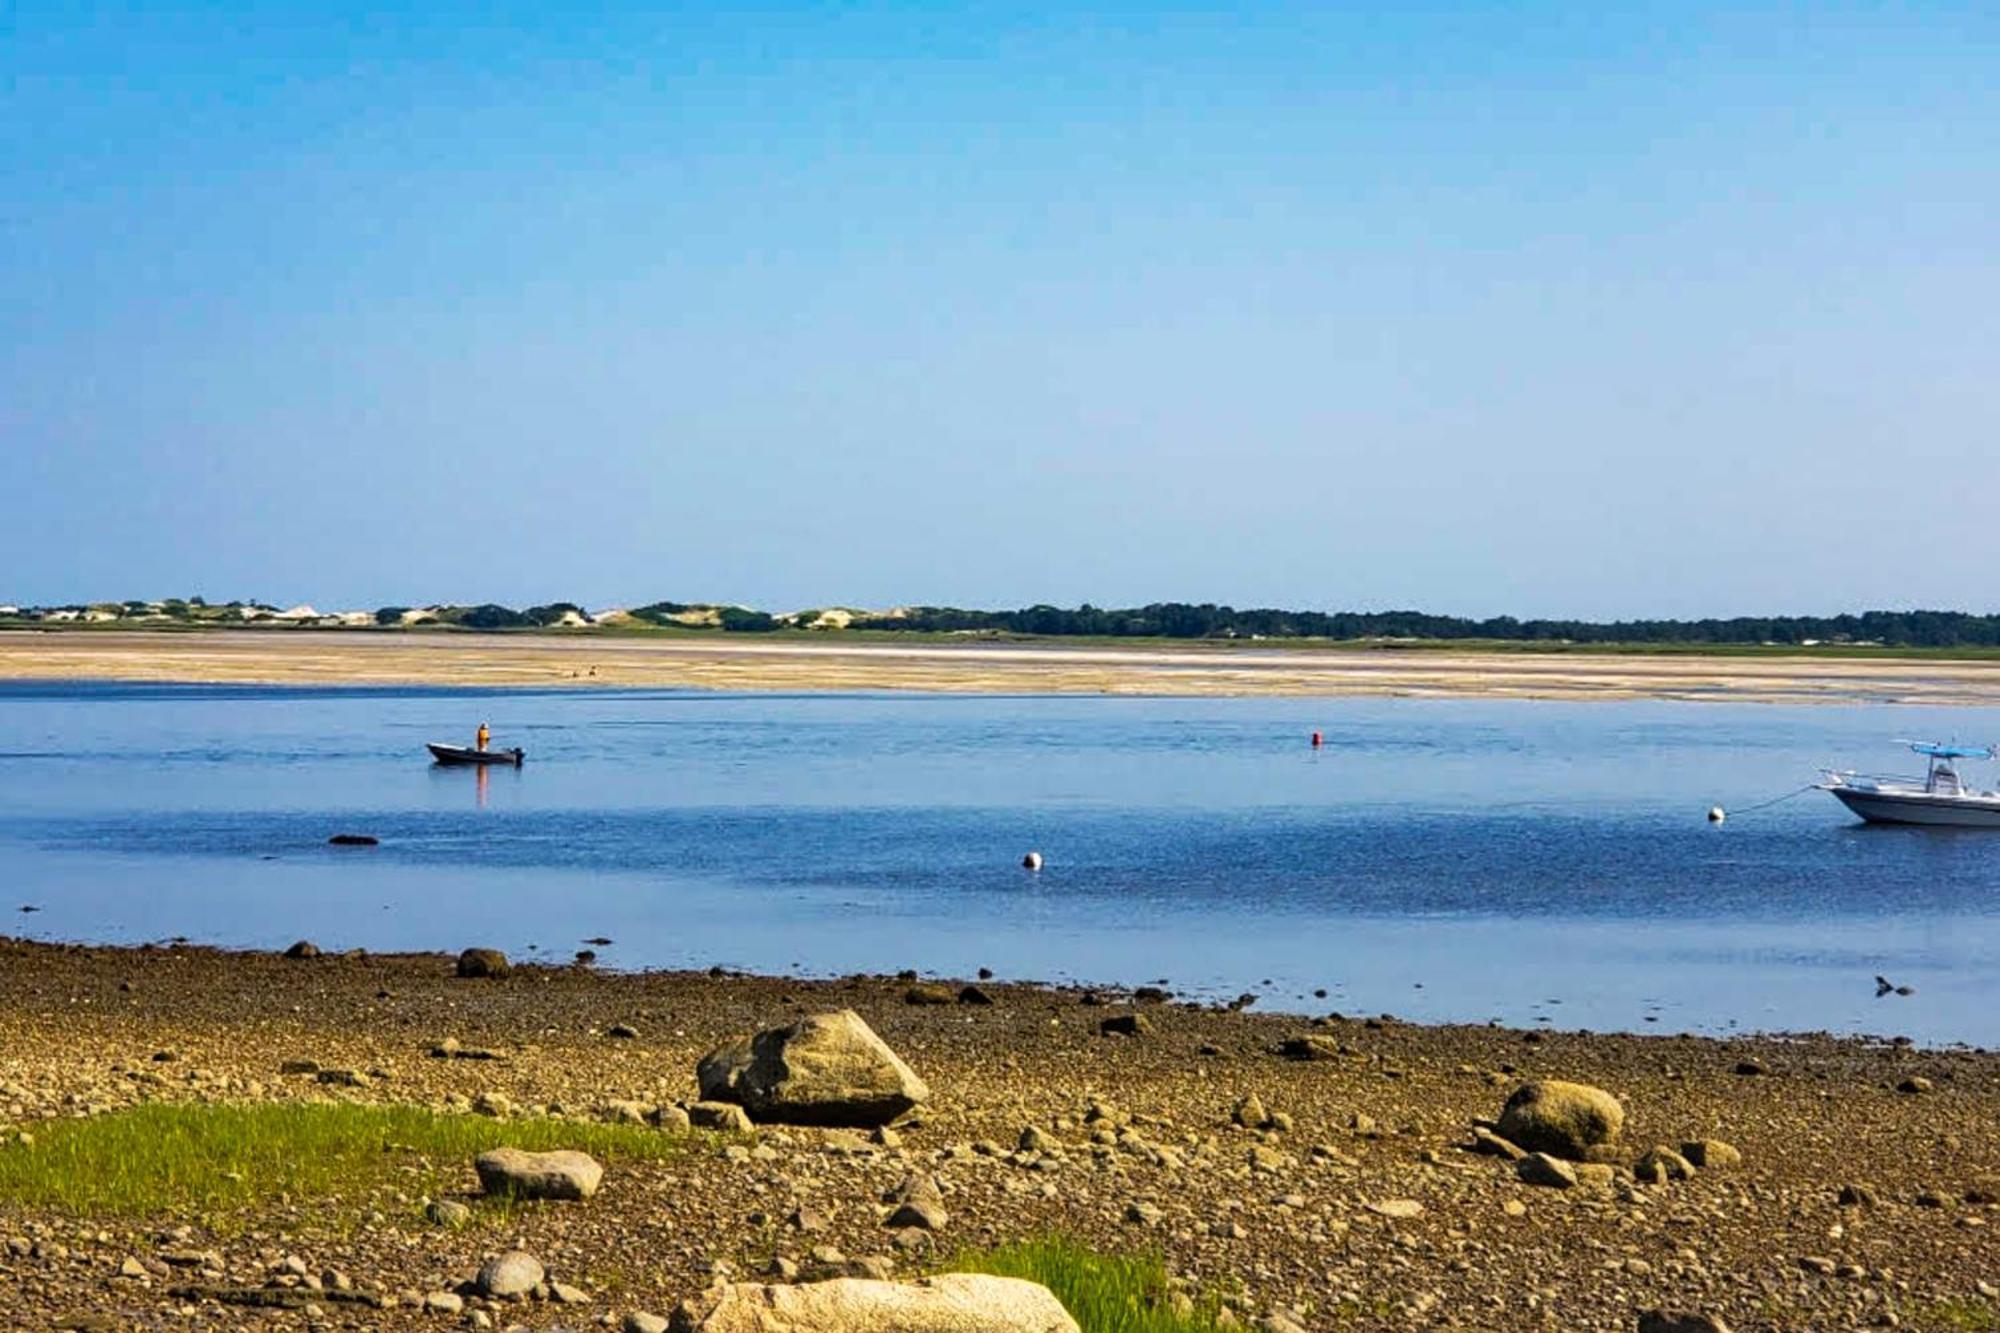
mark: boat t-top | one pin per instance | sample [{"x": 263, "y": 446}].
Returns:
[{"x": 1939, "y": 797}]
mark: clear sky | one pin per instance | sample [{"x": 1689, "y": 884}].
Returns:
[{"x": 1588, "y": 309}]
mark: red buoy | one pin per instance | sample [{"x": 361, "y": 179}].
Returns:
[{"x": 1315, "y": 740}]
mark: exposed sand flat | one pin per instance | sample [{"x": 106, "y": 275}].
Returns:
[{"x": 736, "y": 663}]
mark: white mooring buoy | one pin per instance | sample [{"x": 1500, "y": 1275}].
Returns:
[
  {"x": 1716, "y": 814},
  {"x": 1032, "y": 861}
]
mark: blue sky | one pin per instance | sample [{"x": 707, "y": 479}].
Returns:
[{"x": 1538, "y": 309}]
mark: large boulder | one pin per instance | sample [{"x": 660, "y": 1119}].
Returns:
[
  {"x": 1561, "y": 1119},
  {"x": 538, "y": 1175},
  {"x": 950, "y": 1303},
  {"x": 826, "y": 1069}
]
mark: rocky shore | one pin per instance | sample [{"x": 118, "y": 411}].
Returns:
[{"x": 1335, "y": 1173}]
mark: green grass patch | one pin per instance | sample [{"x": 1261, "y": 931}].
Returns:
[
  {"x": 211, "y": 1160},
  {"x": 1970, "y": 1316},
  {"x": 1105, "y": 1293}
]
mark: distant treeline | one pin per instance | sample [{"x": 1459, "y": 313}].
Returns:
[
  {"x": 1160, "y": 620},
  {"x": 1180, "y": 620}
]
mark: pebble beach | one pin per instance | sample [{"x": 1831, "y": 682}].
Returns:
[{"x": 1325, "y": 1172}]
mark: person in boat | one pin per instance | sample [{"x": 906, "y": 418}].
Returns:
[{"x": 481, "y": 737}]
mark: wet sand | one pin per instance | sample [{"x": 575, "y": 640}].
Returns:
[{"x": 306, "y": 657}]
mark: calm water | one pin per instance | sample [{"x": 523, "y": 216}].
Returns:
[{"x": 1529, "y": 862}]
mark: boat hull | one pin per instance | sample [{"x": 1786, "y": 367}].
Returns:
[
  {"x": 1892, "y": 808},
  {"x": 458, "y": 754}
]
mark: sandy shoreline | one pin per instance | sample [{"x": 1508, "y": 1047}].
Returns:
[
  {"x": 352, "y": 658},
  {"x": 1383, "y": 1117}
]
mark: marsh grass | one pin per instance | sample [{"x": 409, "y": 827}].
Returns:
[
  {"x": 214, "y": 1160},
  {"x": 1105, "y": 1293}
]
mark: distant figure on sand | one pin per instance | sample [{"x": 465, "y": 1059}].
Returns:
[{"x": 479, "y": 740}]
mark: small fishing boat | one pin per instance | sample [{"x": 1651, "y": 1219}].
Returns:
[
  {"x": 460, "y": 754},
  {"x": 1939, "y": 797}
]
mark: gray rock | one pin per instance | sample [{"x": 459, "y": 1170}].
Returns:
[
  {"x": 919, "y": 1213},
  {"x": 1486, "y": 1141},
  {"x": 949, "y": 1303},
  {"x": 1397, "y": 1208},
  {"x": 444, "y": 1302},
  {"x": 1538, "y": 1168},
  {"x": 725, "y": 1116},
  {"x": 515, "y": 1273},
  {"x": 1561, "y": 1119},
  {"x": 638, "y": 1321},
  {"x": 447, "y": 1213},
  {"x": 538, "y": 1175},
  {"x": 1124, "y": 1025},
  {"x": 826, "y": 1069}
]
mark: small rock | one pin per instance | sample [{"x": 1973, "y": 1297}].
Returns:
[
  {"x": 1486, "y": 1141},
  {"x": 1857, "y": 1196},
  {"x": 1711, "y": 1154},
  {"x": 444, "y": 1302},
  {"x": 725, "y": 1116},
  {"x": 974, "y": 995},
  {"x": 538, "y": 1175},
  {"x": 1916, "y": 1083},
  {"x": 1813, "y": 1263},
  {"x": 1309, "y": 1047},
  {"x": 1539, "y": 1168},
  {"x": 1661, "y": 1163},
  {"x": 1676, "y": 1321},
  {"x": 489, "y": 963},
  {"x": 1124, "y": 1025},
  {"x": 514, "y": 1273},
  {"x": 926, "y": 992},
  {"x": 303, "y": 949},
  {"x": 1145, "y": 1214},
  {"x": 447, "y": 1213},
  {"x": 639, "y": 1321},
  {"x": 622, "y": 1031},
  {"x": 354, "y": 840},
  {"x": 1397, "y": 1208}
]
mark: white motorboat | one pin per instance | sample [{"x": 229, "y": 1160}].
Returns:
[{"x": 1941, "y": 796}]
